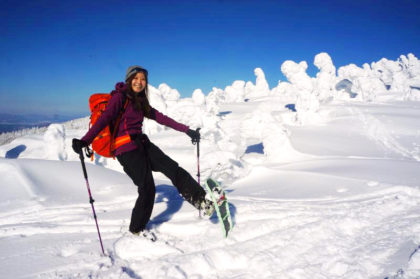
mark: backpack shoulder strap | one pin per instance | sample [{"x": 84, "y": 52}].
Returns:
[{"x": 117, "y": 122}]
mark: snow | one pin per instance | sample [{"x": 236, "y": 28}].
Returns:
[
  {"x": 322, "y": 175},
  {"x": 54, "y": 139}
]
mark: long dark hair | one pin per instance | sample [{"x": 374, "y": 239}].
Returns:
[{"x": 140, "y": 100}]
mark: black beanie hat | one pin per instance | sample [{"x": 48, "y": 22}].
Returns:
[{"x": 132, "y": 70}]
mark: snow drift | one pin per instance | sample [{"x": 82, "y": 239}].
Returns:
[{"x": 321, "y": 172}]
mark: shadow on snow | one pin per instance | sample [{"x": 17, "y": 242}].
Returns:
[
  {"x": 169, "y": 195},
  {"x": 256, "y": 148},
  {"x": 15, "y": 152}
]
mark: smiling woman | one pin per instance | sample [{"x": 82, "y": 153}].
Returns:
[
  {"x": 139, "y": 82},
  {"x": 137, "y": 154},
  {"x": 137, "y": 77}
]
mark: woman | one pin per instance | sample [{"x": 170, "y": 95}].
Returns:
[{"x": 138, "y": 156}]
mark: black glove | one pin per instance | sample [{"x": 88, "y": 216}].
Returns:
[
  {"x": 78, "y": 145},
  {"x": 194, "y": 135}
]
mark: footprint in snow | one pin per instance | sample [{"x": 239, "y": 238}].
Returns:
[
  {"x": 131, "y": 247},
  {"x": 68, "y": 251},
  {"x": 373, "y": 183},
  {"x": 342, "y": 190}
]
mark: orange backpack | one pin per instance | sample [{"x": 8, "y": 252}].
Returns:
[{"x": 104, "y": 143}]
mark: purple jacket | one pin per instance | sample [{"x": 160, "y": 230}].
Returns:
[{"x": 131, "y": 121}]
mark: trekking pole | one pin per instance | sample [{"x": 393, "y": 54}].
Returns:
[
  {"x": 198, "y": 157},
  {"x": 198, "y": 164},
  {"x": 91, "y": 200}
]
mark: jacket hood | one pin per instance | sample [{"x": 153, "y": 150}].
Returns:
[{"x": 120, "y": 87}]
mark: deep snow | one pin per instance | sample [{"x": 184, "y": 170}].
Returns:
[{"x": 323, "y": 183}]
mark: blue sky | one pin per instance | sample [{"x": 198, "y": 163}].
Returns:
[{"x": 54, "y": 54}]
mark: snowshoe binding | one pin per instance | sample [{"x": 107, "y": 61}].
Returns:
[{"x": 206, "y": 207}]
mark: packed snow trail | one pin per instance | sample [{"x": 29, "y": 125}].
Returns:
[
  {"x": 341, "y": 235},
  {"x": 324, "y": 217}
]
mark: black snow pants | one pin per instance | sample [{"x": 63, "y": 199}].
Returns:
[{"x": 139, "y": 164}]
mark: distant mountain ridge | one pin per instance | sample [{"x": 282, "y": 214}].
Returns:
[{"x": 13, "y": 122}]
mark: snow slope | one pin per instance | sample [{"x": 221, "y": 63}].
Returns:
[{"x": 320, "y": 186}]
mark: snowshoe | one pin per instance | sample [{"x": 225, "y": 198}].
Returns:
[{"x": 220, "y": 205}]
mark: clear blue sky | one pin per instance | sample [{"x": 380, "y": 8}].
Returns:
[{"x": 54, "y": 54}]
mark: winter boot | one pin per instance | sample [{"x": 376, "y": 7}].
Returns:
[
  {"x": 146, "y": 234},
  {"x": 206, "y": 206}
]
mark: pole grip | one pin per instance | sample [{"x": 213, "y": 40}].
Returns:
[{"x": 82, "y": 160}]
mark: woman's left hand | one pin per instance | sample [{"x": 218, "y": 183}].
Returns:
[{"x": 194, "y": 135}]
